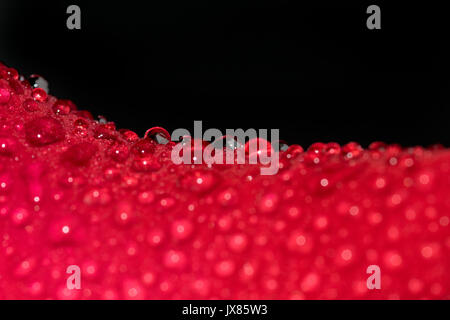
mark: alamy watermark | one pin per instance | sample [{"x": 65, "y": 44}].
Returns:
[
  {"x": 227, "y": 148},
  {"x": 74, "y": 280},
  {"x": 374, "y": 280}
]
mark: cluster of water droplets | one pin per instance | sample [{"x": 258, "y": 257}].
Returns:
[{"x": 77, "y": 191}]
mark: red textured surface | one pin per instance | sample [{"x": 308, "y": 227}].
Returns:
[{"x": 74, "y": 191}]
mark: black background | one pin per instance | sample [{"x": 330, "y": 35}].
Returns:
[{"x": 311, "y": 69}]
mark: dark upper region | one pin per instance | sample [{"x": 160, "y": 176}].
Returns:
[{"x": 313, "y": 71}]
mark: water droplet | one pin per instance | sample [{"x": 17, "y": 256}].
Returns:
[
  {"x": 9, "y": 73},
  {"x": 166, "y": 203},
  {"x": 332, "y": 148},
  {"x": 104, "y": 131},
  {"x": 119, "y": 152},
  {"x": 283, "y": 145},
  {"x": 146, "y": 164},
  {"x": 43, "y": 131},
  {"x": 352, "y": 150},
  {"x": 310, "y": 282},
  {"x": 155, "y": 237},
  {"x": 39, "y": 94},
  {"x": 144, "y": 148},
  {"x": 25, "y": 267},
  {"x": 268, "y": 203},
  {"x": 8, "y": 146},
  {"x": 225, "y": 268},
  {"x": 238, "y": 242},
  {"x": 227, "y": 197},
  {"x": 124, "y": 213},
  {"x": 5, "y": 95},
  {"x": 228, "y": 142},
  {"x": 300, "y": 241},
  {"x": 158, "y": 134},
  {"x": 175, "y": 259},
  {"x": 64, "y": 230},
  {"x": 258, "y": 147},
  {"x": 377, "y": 146},
  {"x": 129, "y": 135},
  {"x": 317, "y": 148},
  {"x": 84, "y": 114},
  {"x": 63, "y": 107},
  {"x": 81, "y": 127},
  {"x": 20, "y": 216},
  {"x": 292, "y": 151},
  {"x": 181, "y": 229}
]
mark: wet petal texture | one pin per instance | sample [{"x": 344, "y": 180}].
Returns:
[{"x": 75, "y": 191}]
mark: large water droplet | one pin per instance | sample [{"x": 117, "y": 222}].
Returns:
[
  {"x": 144, "y": 148},
  {"x": 158, "y": 134},
  {"x": 43, "y": 131}
]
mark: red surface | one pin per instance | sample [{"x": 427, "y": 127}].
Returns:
[{"x": 74, "y": 191}]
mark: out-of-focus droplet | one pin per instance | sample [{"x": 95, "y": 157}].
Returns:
[
  {"x": 292, "y": 151},
  {"x": 146, "y": 164},
  {"x": 268, "y": 203},
  {"x": 332, "y": 148},
  {"x": 352, "y": 150},
  {"x": 199, "y": 181},
  {"x": 181, "y": 229},
  {"x": 8, "y": 146},
  {"x": 80, "y": 154}
]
